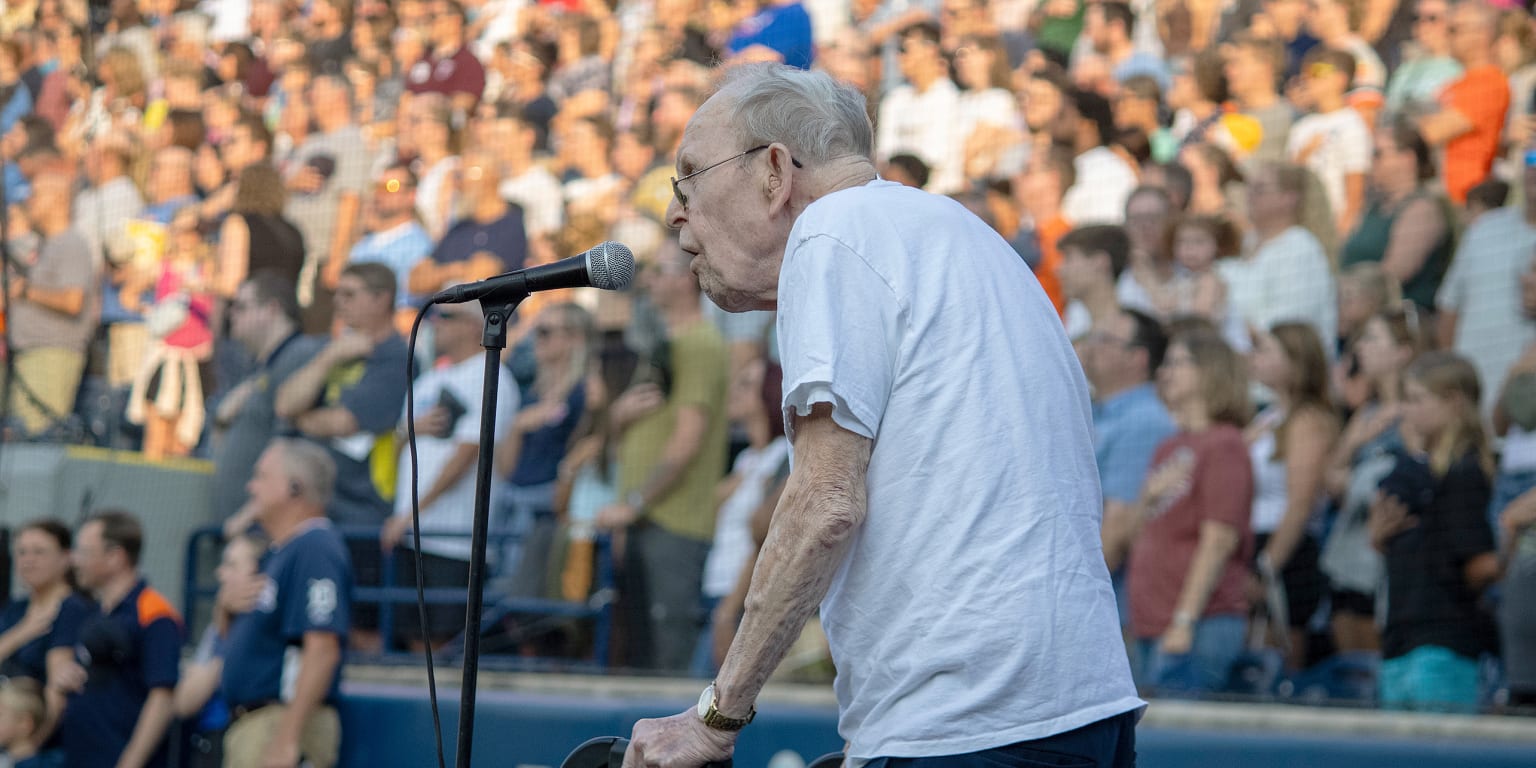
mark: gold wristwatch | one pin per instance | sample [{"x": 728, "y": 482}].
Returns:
[{"x": 710, "y": 714}]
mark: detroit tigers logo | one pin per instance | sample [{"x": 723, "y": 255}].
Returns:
[{"x": 321, "y": 602}]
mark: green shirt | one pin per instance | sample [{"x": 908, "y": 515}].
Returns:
[{"x": 700, "y": 368}]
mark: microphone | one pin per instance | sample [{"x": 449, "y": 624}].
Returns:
[{"x": 609, "y": 266}]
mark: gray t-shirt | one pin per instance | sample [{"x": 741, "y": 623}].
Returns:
[
  {"x": 254, "y": 425},
  {"x": 343, "y": 157},
  {"x": 1275, "y": 122},
  {"x": 64, "y": 261}
]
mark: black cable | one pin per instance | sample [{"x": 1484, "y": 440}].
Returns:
[{"x": 421, "y": 589}]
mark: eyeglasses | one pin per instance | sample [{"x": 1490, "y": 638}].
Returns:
[
  {"x": 1427, "y": 18},
  {"x": 682, "y": 199},
  {"x": 545, "y": 331}
]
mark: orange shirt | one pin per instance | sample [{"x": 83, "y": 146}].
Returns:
[
  {"x": 1482, "y": 96},
  {"x": 1050, "y": 260}
]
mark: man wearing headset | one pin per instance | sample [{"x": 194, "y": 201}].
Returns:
[{"x": 282, "y": 667}]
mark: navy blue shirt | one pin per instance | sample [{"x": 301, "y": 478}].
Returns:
[
  {"x": 30, "y": 660},
  {"x": 504, "y": 237},
  {"x": 543, "y": 448},
  {"x": 309, "y": 589},
  {"x": 127, "y": 652}
]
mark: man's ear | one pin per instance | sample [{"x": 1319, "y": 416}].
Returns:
[{"x": 780, "y": 182}]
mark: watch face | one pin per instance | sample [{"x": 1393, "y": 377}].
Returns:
[{"x": 705, "y": 699}]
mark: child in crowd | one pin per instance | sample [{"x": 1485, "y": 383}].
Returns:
[
  {"x": 1197, "y": 288},
  {"x": 1333, "y": 140},
  {"x": 1430, "y": 523},
  {"x": 21, "y": 714}
]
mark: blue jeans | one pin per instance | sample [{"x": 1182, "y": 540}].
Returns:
[
  {"x": 1205, "y": 669},
  {"x": 1108, "y": 743}
]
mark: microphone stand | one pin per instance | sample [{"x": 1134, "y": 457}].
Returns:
[{"x": 498, "y": 307}]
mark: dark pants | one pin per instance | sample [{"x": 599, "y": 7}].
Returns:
[
  {"x": 1108, "y": 743},
  {"x": 663, "y": 574}
]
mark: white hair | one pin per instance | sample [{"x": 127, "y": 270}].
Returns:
[
  {"x": 309, "y": 468},
  {"x": 819, "y": 118}
]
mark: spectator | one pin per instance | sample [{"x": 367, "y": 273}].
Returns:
[
  {"x": 919, "y": 116},
  {"x": 283, "y": 672},
  {"x": 1480, "y": 315},
  {"x": 450, "y": 67},
  {"x": 199, "y": 696},
  {"x": 1092, "y": 260},
  {"x": 1515, "y": 53},
  {"x": 1416, "y": 84},
  {"x": 906, "y": 169},
  {"x": 247, "y": 143},
  {"x": 1151, "y": 270},
  {"x": 1472, "y": 108},
  {"x": 1332, "y": 139},
  {"x": 15, "y": 98},
  {"x": 1195, "y": 98},
  {"x": 256, "y": 236},
  {"x": 1138, "y": 106},
  {"x": 347, "y": 398},
  {"x": 1199, "y": 244},
  {"x": 1110, "y": 27},
  {"x": 51, "y": 311},
  {"x": 1104, "y": 179},
  {"x": 527, "y": 92},
  {"x": 1190, "y": 551},
  {"x": 22, "y": 718},
  {"x": 488, "y": 240},
  {"x": 448, "y": 421},
  {"x": 1286, "y": 275},
  {"x": 1254, "y": 65},
  {"x": 991, "y": 126},
  {"x": 26, "y": 624},
  {"x": 1040, "y": 190},
  {"x": 116, "y": 658},
  {"x": 428, "y": 142},
  {"x": 671, "y": 453},
  {"x": 782, "y": 27},
  {"x": 1288, "y": 443},
  {"x": 1336, "y": 23},
  {"x": 394, "y": 238},
  {"x": 330, "y": 36},
  {"x": 530, "y": 455},
  {"x": 527, "y": 184},
  {"x": 1365, "y": 454},
  {"x": 580, "y": 65},
  {"x": 1129, "y": 422},
  {"x": 327, "y": 176},
  {"x": 1408, "y": 228},
  {"x": 1429, "y": 522},
  {"x": 264, "y": 320},
  {"x": 103, "y": 209}
]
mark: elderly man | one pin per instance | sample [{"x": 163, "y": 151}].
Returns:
[
  {"x": 964, "y": 594},
  {"x": 282, "y": 668}
]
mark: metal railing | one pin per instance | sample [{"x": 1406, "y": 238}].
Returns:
[{"x": 199, "y": 589}]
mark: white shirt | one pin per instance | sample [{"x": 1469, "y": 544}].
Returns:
[
  {"x": 733, "y": 522},
  {"x": 453, "y": 511},
  {"x": 973, "y": 609},
  {"x": 1483, "y": 289},
  {"x": 1344, "y": 148},
  {"x": 1287, "y": 278},
  {"x": 538, "y": 193},
  {"x": 1104, "y": 182},
  {"x": 1269, "y": 475},
  {"x": 926, "y": 125}
]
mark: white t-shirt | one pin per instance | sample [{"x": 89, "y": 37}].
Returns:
[
  {"x": 1287, "y": 279},
  {"x": 1104, "y": 182},
  {"x": 538, "y": 193},
  {"x": 1344, "y": 148},
  {"x": 1483, "y": 289},
  {"x": 733, "y": 523},
  {"x": 453, "y": 511},
  {"x": 926, "y": 125},
  {"x": 973, "y": 609}
]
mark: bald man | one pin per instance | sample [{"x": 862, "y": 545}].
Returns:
[{"x": 52, "y": 311}]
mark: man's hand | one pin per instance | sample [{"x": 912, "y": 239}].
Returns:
[
  {"x": 393, "y": 531},
  {"x": 616, "y": 516},
  {"x": 281, "y": 753},
  {"x": 239, "y": 595},
  {"x": 635, "y": 403},
  {"x": 1177, "y": 640},
  {"x": 69, "y": 678},
  {"x": 433, "y": 423},
  {"x": 679, "y": 741},
  {"x": 349, "y": 346}
]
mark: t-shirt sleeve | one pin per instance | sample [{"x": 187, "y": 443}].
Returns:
[
  {"x": 378, "y": 396},
  {"x": 66, "y": 627},
  {"x": 1482, "y": 99},
  {"x": 65, "y": 263},
  {"x": 162, "y": 653},
  {"x": 1224, "y": 484},
  {"x": 1127, "y": 459},
  {"x": 1355, "y": 148},
  {"x": 838, "y": 327},
  {"x": 317, "y": 597}
]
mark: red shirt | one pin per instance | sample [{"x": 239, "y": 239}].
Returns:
[
  {"x": 1482, "y": 96},
  {"x": 459, "y": 73},
  {"x": 1219, "y": 489}
]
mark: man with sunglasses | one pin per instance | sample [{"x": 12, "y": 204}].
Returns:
[{"x": 943, "y": 508}]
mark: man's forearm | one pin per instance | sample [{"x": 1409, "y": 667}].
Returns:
[
  {"x": 299, "y": 393},
  {"x": 335, "y": 421},
  {"x": 459, "y": 465},
  {"x": 823, "y": 505},
  {"x": 154, "y": 718},
  {"x": 65, "y": 301}
]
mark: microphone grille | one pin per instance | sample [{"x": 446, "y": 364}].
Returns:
[{"x": 611, "y": 266}]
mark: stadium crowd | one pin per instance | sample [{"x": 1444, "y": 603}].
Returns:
[{"x": 1292, "y": 240}]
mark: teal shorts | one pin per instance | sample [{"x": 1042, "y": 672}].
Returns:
[{"x": 1431, "y": 678}]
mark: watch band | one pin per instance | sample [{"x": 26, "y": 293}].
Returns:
[{"x": 713, "y": 718}]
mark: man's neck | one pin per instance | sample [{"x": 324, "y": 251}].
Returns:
[
  {"x": 395, "y": 222},
  {"x": 1479, "y": 59},
  {"x": 1101, "y": 303},
  {"x": 1270, "y": 230},
  {"x": 1257, "y": 98},
  {"x": 283, "y": 525},
  {"x": 379, "y": 331},
  {"x": 52, "y": 226},
  {"x": 278, "y": 335},
  {"x": 1119, "y": 51},
  {"x": 447, "y": 51},
  {"x": 116, "y": 588},
  {"x": 489, "y": 208},
  {"x": 1330, "y": 104},
  {"x": 1113, "y": 389},
  {"x": 331, "y": 121},
  {"x": 922, "y": 81}
]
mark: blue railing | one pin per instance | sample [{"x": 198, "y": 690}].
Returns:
[{"x": 199, "y": 589}]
